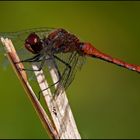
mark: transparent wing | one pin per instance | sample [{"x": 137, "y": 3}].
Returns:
[
  {"x": 18, "y": 39},
  {"x": 75, "y": 61}
]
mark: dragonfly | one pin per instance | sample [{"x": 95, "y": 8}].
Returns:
[{"x": 65, "y": 49}]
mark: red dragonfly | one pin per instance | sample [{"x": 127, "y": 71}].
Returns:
[{"x": 56, "y": 44}]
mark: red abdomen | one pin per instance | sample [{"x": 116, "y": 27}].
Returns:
[{"x": 90, "y": 50}]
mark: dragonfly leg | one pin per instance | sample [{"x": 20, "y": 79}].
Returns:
[
  {"x": 48, "y": 88},
  {"x": 60, "y": 77},
  {"x": 67, "y": 66},
  {"x": 35, "y": 59},
  {"x": 39, "y": 68}
]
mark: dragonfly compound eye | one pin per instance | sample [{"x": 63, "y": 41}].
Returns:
[{"x": 33, "y": 43}]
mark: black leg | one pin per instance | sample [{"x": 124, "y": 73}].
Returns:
[
  {"x": 53, "y": 83},
  {"x": 39, "y": 68},
  {"x": 48, "y": 88},
  {"x": 60, "y": 78},
  {"x": 62, "y": 61},
  {"x": 35, "y": 59},
  {"x": 67, "y": 65}
]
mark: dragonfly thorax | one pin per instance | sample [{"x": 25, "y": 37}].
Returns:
[{"x": 62, "y": 41}]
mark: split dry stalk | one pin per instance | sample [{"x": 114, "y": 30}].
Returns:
[{"x": 62, "y": 124}]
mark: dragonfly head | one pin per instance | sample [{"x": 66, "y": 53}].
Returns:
[{"x": 33, "y": 43}]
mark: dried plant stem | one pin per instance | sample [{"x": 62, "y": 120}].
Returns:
[
  {"x": 62, "y": 124},
  {"x": 13, "y": 58}
]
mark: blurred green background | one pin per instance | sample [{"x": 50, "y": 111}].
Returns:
[{"x": 105, "y": 98}]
